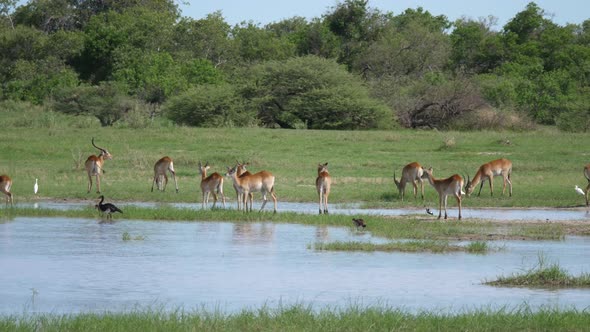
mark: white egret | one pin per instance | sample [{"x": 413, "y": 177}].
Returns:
[
  {"x": 36, "y": 187},
  {"x": 580, "y": 191}
]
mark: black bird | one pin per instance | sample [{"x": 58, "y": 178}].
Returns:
[
  {"x": 429, "y": 212},
  {"x": 359, "y": 222},
  {"x": 107, "y": 208}
]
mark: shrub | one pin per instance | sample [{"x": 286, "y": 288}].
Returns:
[{"x": 208, "y": 106}]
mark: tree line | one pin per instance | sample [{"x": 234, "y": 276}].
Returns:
[{"x": 355, "y": 67}]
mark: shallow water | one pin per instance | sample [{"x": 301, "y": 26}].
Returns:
[
  {"x": 70, "y": 265},
  {"x": 354, "y": 209}
]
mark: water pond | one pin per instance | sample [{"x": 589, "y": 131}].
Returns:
[{"x": 68, "y": 265}]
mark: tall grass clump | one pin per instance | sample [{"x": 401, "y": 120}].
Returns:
[{"x": 544, "y": 275}]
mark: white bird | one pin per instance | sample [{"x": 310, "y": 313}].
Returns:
[
  {"x": 36, "y": 187},
  {"x": 580, "y": 191}
]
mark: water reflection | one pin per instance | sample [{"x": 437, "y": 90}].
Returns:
[{"x": 82, "y": 265}]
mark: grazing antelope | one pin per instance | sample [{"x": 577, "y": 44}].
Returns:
[
  {"x": 160, "y": 168},
  {"x": 94, "y": 164},
  {"x": 211, "y": 184},
  {"x": 446, "y": 187},
  {"x": 487, "y": 171},
  {"x": 587, "y": 176},
  {"x": 411, "y": 173},
  {"x": 241, "y": 170},
  {"x": 5, "y": 184},
  {"x": 107, "y": 208},
  {"x": 262, "y": 181},
  {"x": 322, "y": 184}
]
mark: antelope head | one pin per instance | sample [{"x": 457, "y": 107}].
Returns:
[
  {"x": 322, "y": 168},
  {"x": 397, "y": 183},
  {"x": 468, "y": 186},
  {"x": 103, "y": 152}
]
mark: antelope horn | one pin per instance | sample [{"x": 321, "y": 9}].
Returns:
[{"x": 101, "y": 149}]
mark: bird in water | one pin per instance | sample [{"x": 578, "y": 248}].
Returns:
[
  {"x": 429, "y": 212},
  {"x": 36, "y": 187},
  {"x": 359, "y": 222},
  {"x": 580, "y": 191},
  {"x": 107, "y": 208}
]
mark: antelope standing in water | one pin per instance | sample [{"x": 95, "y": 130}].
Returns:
[
  {"x": 262, "y": 181},
  {"x": 160, "y": 168},
  {"x": 322, "y": 185},
  {"x": 5, "y": 184},
  {"x": 446, "y": 187},
  {"x": 241, "y": 171},
  {"x": 411, "y": 173},
  {"x": 211, "y": 184},
  {"x": 487, "y": 171},
  {"x": 94, "y": 164}
]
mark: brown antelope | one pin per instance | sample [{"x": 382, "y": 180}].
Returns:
[
  {"x": 262, "y": 181},
  {"x": 241, "y": 170},
  {"x": 5, "y": 184},
  {"x": 487, "y": 171},
  {"x": 322, "y": 184},
  {"x": 411, "y": 173},
  {"x": 94, "y": 166},
  {"x": 211, "y": 184},
  {"x": 446, "y": 187},
  {"x": 160, "y": 168},
  {"x": 587, "y": 176}
]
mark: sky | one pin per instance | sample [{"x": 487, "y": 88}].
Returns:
[{"x": 267, "y": 11}]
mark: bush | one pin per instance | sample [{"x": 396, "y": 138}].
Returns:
[
  {"x": 208, "y": 106},
  {"x": 488, "y": 118},
  {"x": 105, "y": 102}
]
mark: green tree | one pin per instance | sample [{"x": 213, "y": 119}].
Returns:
[
  {"x": 208, "y": 38},
  {"x": 110, "y": 34},
  {"x": 255, "y": 44},
  {"x": 312, "y": 92},
  {"x": 475, "y": 47}
]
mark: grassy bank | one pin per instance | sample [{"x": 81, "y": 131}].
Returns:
[
  {"x": 547, "y": 163},
  {"x": 304, "y": 318},
  {"x": 386, "y": 227}
]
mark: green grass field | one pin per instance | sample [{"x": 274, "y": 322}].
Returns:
[{"x": 547, "y": 163}]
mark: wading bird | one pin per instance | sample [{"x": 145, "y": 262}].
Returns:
[
  {"x": 107, "y": 208},
  {"x": 580, "y": 191},
  {"x": 36, "y": 187},
  {"x": 359, "y": 222}
]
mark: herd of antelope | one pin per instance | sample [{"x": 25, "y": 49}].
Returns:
[
  {"x": 453, "y": 185},
  {"x": 246, "y": 183}
]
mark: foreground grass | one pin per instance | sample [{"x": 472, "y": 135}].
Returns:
[
  {"x": 386, "y": 227},
  {"x": 361, "y": 162},
  {"x": 410, "y": 246},
  {"x": 544, "y": 276},
  {"x": 304, "y": 318}
]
